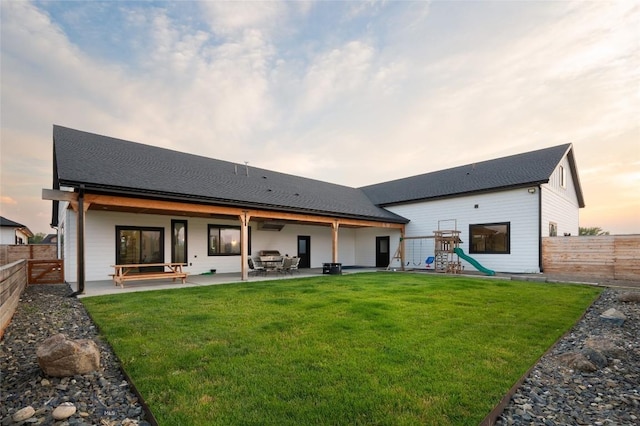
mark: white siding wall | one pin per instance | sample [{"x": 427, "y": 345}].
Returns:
[
  {"x": 365, "y": 244},
  {"x": 518, "y": 207},
  {"x": 100, "y": 242},
  {"x": 7, "y": 235},
  {"x": 560, "y": 204}
]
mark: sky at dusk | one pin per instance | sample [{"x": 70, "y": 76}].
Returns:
[{"x": 349, "y": 92}]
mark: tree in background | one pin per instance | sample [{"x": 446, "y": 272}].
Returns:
[
  {"x": 37, "y": 239},
  {"x": 594, "y": 231}
]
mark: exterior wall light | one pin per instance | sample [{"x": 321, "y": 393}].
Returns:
[{"x": 531, "y": 190}]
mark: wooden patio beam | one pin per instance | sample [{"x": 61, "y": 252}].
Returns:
[{"x": 163, "y": 205}]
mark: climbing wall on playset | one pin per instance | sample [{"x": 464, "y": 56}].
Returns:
[{"x": 445, "y": 243}]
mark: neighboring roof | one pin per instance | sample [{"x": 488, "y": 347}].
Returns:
[
  {"x": 515, "y": 171},
  {"x": 10, "y": 223},
  {"x": 110, "y": 165},
  {"x": 50, "y": 239}
]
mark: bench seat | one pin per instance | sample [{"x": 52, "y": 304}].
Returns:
[{"x": 119, "y": 280}]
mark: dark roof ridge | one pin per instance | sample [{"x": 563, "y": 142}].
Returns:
[
  {"x": 473, "y": 165},
  {"x": 513, "y": 171}
]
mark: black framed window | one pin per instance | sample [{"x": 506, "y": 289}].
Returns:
[
  {"x": 490, "y": 238},
  {"x": 135, "y": 244},
  {"x": 225, "y": 240},
  {"x": 179, "y": 241}
]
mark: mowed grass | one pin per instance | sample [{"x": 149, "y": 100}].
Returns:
[{"x": 370, "y": 348}]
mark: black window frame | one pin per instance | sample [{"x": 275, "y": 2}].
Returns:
[
  {"x": 220, "y": 227},
  {"x": 472, "y": 248},
  {"x": 140, "y": 228},
  {"x": 174, "y": 222}
]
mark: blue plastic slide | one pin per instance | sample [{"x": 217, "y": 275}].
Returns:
[{"x": 473, "y": 262}]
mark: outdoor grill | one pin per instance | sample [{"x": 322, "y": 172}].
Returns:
[{"x": 270, "y": 255}]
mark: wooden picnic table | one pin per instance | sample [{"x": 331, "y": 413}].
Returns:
[{"x": 132, "y": 272}]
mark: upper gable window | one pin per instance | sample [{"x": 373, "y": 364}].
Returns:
[{"x": 563, "y": 177}]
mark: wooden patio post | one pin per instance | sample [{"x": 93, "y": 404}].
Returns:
[
  {"x": 402, "y": 246},
  {"x": 244, "y": 245},
  {"x": 335, "y": 225}
]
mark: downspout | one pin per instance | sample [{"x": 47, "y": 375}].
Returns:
[
  {"x": 80, "y": 243},
  {"x": 540, "y": 268}
]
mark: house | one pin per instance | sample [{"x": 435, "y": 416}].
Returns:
[
  {"x": 13, "y": 232},
  {"x": 117, "y": 201}
]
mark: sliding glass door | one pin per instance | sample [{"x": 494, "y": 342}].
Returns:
[{"x": 139, "y": 245}]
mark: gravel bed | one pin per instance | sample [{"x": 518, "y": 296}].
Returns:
[
  {"x": 556, "y": 392},
  {"x": 101, "y": 398},
  {"x": 563, "y": 389}
]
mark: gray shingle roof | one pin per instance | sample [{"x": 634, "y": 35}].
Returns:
[
  {"x": 527, "y": 169},
  {"x": 10, "y": 223},
  {"x": 102, "y": 163}
]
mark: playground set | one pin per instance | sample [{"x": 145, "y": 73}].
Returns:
[{"x": 446, "y": 252}]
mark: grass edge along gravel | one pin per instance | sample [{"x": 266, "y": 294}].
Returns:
[{"x": 370, "y": 348}]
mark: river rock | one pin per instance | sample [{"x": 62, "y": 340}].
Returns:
[
  {"x": 23, "y": 414},
  {"x": 64, "y": 411},
  {"x": 61, "y": 357}
]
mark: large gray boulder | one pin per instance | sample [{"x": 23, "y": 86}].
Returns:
[{"x": 61, "y": 357}]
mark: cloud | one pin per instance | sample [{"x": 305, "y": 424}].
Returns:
[
  {"x": 353, "y": 93},
  {"x": 232, "y": 18}
]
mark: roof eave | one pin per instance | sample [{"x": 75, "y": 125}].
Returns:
[
  {"x": 137, "y": 193},
  {"x": 466, "y": 193}
]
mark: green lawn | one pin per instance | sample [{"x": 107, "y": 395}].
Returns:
[{"x": 370, "y": 348}]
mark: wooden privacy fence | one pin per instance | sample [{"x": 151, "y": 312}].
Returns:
[
  {"x": 605, "y": 257},
  {"x": 10, "y": 253},
  {"x": 13, "y": 280},
  {"x": 45, "y": 271}
]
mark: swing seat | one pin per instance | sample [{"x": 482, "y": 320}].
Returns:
[{"x": 429, "y": 260}]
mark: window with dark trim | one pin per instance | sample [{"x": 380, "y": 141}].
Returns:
[
  {"x": 137, "y": 244},
  {"x": 179, "y": 241},
  {"x": 490, "y": 238},
  {"x": 225, "y": 240},
  {"x": 553, "y": 229}
]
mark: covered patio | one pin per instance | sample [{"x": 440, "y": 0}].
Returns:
[{"x": 105, "y": 287}]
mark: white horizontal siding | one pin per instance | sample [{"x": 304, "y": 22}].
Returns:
[
  {"x": 365, "y": 244},
  {"x": 518, "y": 207},
  {"x": 100, "y": 242},
  {"x": 559, "y": 210},
  {"x": 560, "y": 204}
]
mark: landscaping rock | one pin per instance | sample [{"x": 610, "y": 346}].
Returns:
[
  {"x": 23, "y": 414},
  {"x": 555, "y": 393},
  {"x": 102, "y": 397},
  {"x": 605, "y": 346},
  {"x": 632, "y": 297},
  {"x": 613, "y": 316},
  {"x": 64, "y": 411},
  {"x": 595, "y": 357},
  {"x": 60, "y": 357},
  {"x": 577, "y": 361}
]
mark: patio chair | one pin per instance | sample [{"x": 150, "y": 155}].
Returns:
[
  {"x": 255, "y": 270},
  {"x": 286, "y": 265},
  {"x": 295, "y": 261}
]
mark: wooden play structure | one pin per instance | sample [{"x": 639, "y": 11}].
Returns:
[{"x": 445, "y": 258}]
